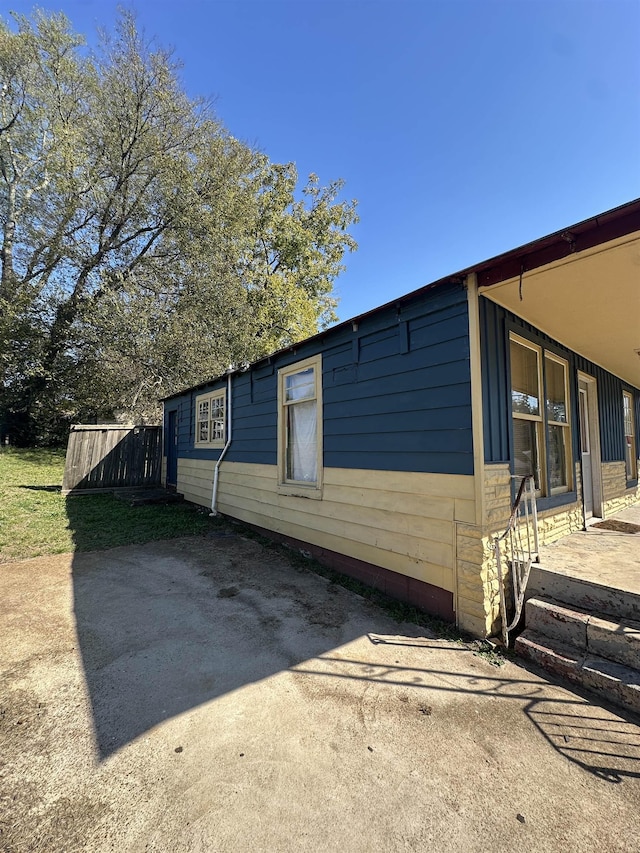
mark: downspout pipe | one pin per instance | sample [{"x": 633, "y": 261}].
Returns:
[{"x": 216, "y": 473}]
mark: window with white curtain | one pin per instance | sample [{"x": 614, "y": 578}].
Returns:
[{"x": 300, "y": 424}]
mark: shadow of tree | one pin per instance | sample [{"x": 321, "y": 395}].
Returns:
[{"x": 168, "y": 626}]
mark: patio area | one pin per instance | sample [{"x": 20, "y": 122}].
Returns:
[{"x": 604, "y": 557}]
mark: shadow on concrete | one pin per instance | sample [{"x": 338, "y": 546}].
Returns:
[
  {"x": 603, "y": 742},
  {"x": 168, "y": 626},
  {"x": 165, "y": 627}
]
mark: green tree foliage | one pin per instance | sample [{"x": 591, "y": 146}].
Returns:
[{"x": 143, "y": 247}]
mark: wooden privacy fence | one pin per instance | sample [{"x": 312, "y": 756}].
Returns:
[{"x": 111, "y": 456}]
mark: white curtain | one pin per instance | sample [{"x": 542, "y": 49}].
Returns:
[
  {"x": 302, "y": 438},
  {"x": 300, "y": 385}
]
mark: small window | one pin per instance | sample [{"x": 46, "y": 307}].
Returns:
[
  {"x": 300, "y": 425},
  {"x": 630, "y": 457},
  {"x": 210, "y": 419}
]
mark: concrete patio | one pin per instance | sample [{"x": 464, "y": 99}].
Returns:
[
  {"x": 206, "y": 695},
  {"x": 598, "y": 556}
]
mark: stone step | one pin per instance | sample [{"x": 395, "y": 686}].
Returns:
[
  {"x": 582, "y": 594},
  {"x": 590, "y": 633},
  {"x": 613, "y": 681}
]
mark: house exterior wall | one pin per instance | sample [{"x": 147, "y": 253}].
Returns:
[
  {"x": 403, "y": 522},
  {"x": 402, "y": 503},
  {"x": 495, "y": 325},
  {"x": 616, "y": 494},
  {"x": 478, "y": 590},
  {"x": 397, "y": 473},
  {"x": 558, "y": 515}
]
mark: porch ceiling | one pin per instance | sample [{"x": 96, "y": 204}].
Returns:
[{"x": 589, "y": 301}]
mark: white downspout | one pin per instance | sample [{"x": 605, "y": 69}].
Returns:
[{"x": 216, "y": 473}]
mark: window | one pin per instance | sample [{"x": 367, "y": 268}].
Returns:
[
  {"x": 541, "y": 433},
  {"x": 630, "y": 456},
  {"x": 526, "y": 410},
  {"x": 558, "y": 431},
  {"x": 300, "y": 425},
  {"x": 210, "y": 419}
]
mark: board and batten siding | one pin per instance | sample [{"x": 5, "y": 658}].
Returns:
[
  {"x": 495, "y": 324},
  {"x": 401, "y": 521}
]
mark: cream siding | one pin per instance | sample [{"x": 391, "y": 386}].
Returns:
[{"x": 404, "y": 522}]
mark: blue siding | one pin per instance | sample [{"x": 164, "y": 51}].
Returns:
[
  {"x": 495, "y": 393},
  {"x": 396, "y": 393},
  {"x": 495, "y": 325},
  {"x": 405, "y": 405}
]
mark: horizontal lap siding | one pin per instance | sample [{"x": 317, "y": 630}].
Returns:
[
  {"x": 398, "y": 396},
  {"x": 396, "y": 393},
  {"x": 397, "y": 441},
  {"x": 397, "y": 520},
  {"x": 195, "y": 480}
]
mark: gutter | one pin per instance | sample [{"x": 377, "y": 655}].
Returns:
[{"x": 216, "y": 473}]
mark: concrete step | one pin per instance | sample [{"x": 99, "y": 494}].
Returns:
[
  {"x": 582, "y": 594},
  {"x": 590, "y": 633},
  {"x": 613, "y": 681}
]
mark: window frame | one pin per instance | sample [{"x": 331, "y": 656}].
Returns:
[
  {"x": 211, "y": 399},
  {"x": 287, "y": 486},
  {"x": 542, "y": 420},
  {"x": 631, "y": 475},
  {"x": 538, "y": 419},
  {"x": 566, "y": 425}
]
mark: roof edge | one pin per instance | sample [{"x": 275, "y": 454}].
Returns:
[{"x": 586, "y": 234}]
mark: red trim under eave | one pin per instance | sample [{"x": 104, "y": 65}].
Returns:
[
  {"x": 577, "y": 238},
  {"x": 607, "y": 226}
]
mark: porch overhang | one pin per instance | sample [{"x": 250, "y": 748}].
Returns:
[{"x": 581, "y": 288}]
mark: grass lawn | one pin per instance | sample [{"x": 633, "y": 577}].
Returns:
[{"x": 35, "y": 519}]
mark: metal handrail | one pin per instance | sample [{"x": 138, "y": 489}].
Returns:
[{"x": 524, "y": 513}]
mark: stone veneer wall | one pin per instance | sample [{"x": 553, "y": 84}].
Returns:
[
  {"x": 615, "y": 494},
  {"x": 478, "y": 604}
]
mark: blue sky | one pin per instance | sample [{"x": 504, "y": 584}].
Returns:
[{"x": 464, "y": 128}]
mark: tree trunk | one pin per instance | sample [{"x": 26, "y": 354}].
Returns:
[{"x": 8, "y": 276}]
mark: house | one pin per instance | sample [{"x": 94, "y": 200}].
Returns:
[{"x": 391, "y": 445}]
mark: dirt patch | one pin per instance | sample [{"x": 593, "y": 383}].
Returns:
[
  {"x": 228, "y": 592},
  {"x": 21, "y": 716}
]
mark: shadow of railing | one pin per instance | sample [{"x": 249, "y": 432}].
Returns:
[{"x": 584, "y": 733}]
